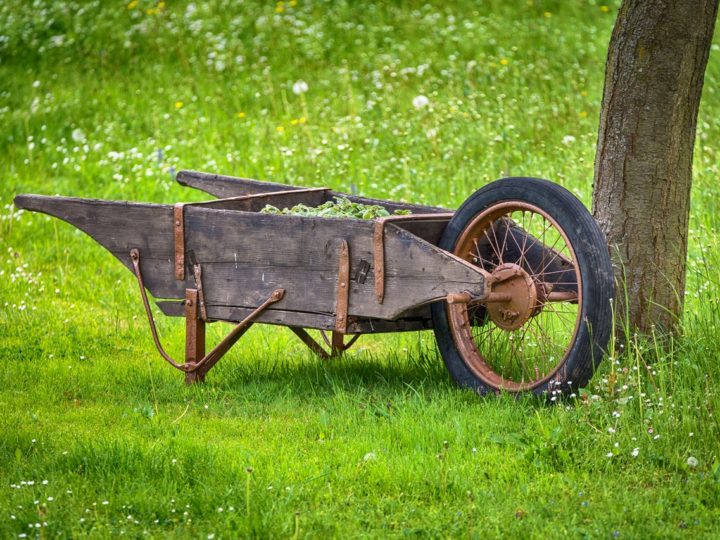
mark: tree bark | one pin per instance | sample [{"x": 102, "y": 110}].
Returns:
[{"x": 643, "y": 166}]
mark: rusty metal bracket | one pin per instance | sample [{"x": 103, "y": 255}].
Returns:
[
  {"x": 179, "y": 235},
  {"x": 196, "y": 370},
  {"x": 197, "y": 276},
  {"x": 379, "y": 245},
  {"x": 335, "y": 350},
  {"x": 210, "y": 359},
  {"x": 343, "y": 289},
  {"x": 337, "y": 344},
  {"x": 135, "y": 259}
]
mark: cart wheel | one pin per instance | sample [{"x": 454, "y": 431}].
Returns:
[{"x": 548, "y": 326}]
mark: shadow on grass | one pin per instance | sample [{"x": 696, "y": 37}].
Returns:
[{"x": 307, "y": 377}]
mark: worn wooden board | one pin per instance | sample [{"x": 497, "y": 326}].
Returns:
[
  {"x": 245, "y": 256},
  {"x": 280, "y": 199},
  {"x": 418, "y": 319},
  {"x": 230, "y": 186}
]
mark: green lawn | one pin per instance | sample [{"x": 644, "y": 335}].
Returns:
[{"x": 99, "y": 438}]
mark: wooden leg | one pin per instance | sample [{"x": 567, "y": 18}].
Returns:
[{"x": 194, "y": 336}]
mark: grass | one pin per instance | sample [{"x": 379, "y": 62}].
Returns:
[{"x": 99, "y": 438}]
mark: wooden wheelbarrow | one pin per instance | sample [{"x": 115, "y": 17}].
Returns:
[{"x": 516, "y": 284}]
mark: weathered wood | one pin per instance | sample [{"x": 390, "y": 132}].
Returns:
[
  {"x": 229, "y": 186},
  {"x": 264, "y": 252},
  {"x": 418, "y": 319},
  {"x": 280, "y": 199},
  {"x": 430, "y": 231}
]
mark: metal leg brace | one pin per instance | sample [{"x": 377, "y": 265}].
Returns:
[{"x": 197, "y": 363}]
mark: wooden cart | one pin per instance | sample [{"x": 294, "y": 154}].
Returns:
[{"x": 516, "y": 283}]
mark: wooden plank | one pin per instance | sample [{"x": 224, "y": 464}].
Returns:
[
  {"x": 229, "y": 186},
  {"x": 392, "y": 206},
  {"x": 430, "y": 231},
  {"x": 245, "y": 256},
  {"x": 420, "y": 319},
  {"x": 280, "y": 199}
]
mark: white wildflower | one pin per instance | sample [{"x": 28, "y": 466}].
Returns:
[
  {"x": 420, "y": 102},
  {"x": 78, "y": 135},
  {"x": 300, "y": 87}
]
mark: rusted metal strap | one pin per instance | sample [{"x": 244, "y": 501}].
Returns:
[
  {"x": 379, "y": 245},
  {"x": 211, "y": 358},
  {"x": 179, "y": 230},
  {"x": 201, "y": 366},
  {"x": 135, "y": 258},
  {"x": 197, "y": 275},
  {"x": 379, "y": 259},
  {"x": 343, "y": 289}
]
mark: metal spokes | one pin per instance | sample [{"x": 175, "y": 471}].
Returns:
[{"x": 519, "y": 343}]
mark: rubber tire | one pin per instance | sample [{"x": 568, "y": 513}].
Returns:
[{"x": 596, "y": 274}]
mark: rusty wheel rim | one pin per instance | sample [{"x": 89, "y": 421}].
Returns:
[{"x": 507, "y": 355}]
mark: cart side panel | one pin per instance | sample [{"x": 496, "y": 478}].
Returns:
[{"x": 246, "y": 256}]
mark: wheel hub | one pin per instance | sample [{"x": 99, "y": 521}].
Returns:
[{"x": 512, "y": 281}]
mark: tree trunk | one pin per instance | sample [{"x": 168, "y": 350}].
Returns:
[{"x": 643, "y": 166}]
